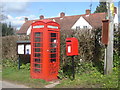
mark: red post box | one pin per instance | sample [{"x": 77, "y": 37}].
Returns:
[
  {"x": 45, "y": 50},
  {"x": 71, "y": 46}
]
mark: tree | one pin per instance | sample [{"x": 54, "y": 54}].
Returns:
[
  {"x": 101, "y": 7},
  {"x": 7, "y": 30},
  {"x": 2, "y": 15}
]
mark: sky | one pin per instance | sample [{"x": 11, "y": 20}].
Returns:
[
  {"x": 119, "y": 12},
  {"x": 17, "y": 11}
]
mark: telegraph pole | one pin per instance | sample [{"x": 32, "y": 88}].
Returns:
[{"x": 109, "y": 50}]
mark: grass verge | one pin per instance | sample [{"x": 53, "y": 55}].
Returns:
[
  {"x": 22, "y": 76},
  {"x": 93, "y": 79}
]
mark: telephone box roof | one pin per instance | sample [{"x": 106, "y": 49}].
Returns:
[{"x": 45, "y": 21}]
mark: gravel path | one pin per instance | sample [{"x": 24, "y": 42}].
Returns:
[
  {"x": 6, "y": 84},
  {"x": 52, "y": 85}
]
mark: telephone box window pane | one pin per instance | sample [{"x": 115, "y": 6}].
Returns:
[
  {"x": 53, "y": 50},
  {"x": 53, "y": 60},
  {"x": 37, "y": 50},
  {"x": 37, "y": 55},
  {"x": 37, "y": 60},
  {"x": 53, "y": 44},
  {"x": 53, "y": 40},
  {"x": 37, "y": 70},
  {"x": 38, "y": 34},
  {"x": 37, "y": 65},
  {"x": 53, "y": 34},
  {"x": 53, "y": 55},
  {"x": 37, "y": 39},
  {"x": 38, "y": 45}
]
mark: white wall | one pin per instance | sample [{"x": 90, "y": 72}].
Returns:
[
  {"x": 116, "y": 19},
  {"x": 29, "y": 30},
  {"x": 81, "y": 22}
]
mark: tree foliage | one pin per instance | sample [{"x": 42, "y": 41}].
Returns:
[
  {"x": 101, "y": 8},
  {"x": 7, "y": 30}
]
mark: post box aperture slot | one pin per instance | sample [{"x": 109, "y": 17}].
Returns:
[{"x": 68, "y": 41}]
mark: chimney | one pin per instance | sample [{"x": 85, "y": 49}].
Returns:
[
  {"x": 26, "y": 19},
  {"x": 41, "y": 17},
  {"x": 88, "y": 11},
  {"x": 62, "y": 14},
  {"x": 115, "y": 10}
]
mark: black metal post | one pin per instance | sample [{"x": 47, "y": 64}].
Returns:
[
  {"x": 18, "y": 62},
  {"x": 73, "y": 68}
]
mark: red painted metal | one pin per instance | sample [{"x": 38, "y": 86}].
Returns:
[
  {"x": 71, "y": 46},
  {"x": 45, "y": 50}
]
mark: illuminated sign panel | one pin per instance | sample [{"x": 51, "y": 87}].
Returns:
[
  {"x": 55, "y": 27},
  {"x": 38, "y": 26}
]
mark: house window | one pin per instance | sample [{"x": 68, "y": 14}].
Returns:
[
  {"x": 84, "y": 27},
  {"x": 77, "y": 27}
]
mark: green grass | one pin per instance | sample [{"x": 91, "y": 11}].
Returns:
[
  {"x": 85, "y": 79},
  {"x": 91, "y": 80},
  {"x": 22, "y": 76}
]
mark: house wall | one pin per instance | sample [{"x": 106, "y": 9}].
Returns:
[
  {"x": 29, "y": 30},
  {"x": 81, "y": 22},
  {"x": 116, "y": 19}
]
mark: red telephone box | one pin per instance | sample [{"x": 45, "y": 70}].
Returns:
[
  {"x": 71, "y": 46},
  {"x": 45, "y": 50}
]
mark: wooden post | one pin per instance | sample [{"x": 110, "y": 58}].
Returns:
[
  {"x": 73, "y": 68},
  {"x": 109, "y": 52},
  {"x": 19, "y": 62},
  {"x": 105, "y": 61}
]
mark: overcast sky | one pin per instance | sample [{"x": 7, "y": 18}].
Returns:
[
  {"x": 119, "y": 12},
  {"x": 17, "y": 11}
]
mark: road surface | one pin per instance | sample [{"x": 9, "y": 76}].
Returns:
[{"x": 6, "y": 84}]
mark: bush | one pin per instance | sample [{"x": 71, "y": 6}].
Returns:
[
  {"x": 9, "y": 63},
  {"x": 89, "y": 52},
  {"x": 25, "y": 66}
]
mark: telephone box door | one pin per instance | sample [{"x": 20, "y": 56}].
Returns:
[
  {"x": 54, "y": 53},
  {"x": 36, "y": 56}
]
